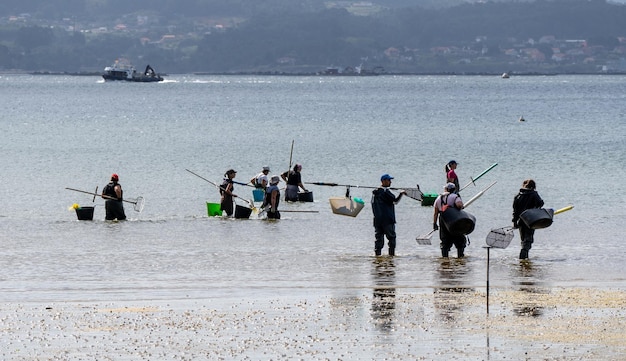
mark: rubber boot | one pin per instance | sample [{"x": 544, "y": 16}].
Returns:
[
  {"x": 377, "y": 252},
  {"x": 460, "y": 252},
  {"x": 392, "y": 251},
  {"x": 523, "y": 254},
  {"x": 444, "y": 253}
]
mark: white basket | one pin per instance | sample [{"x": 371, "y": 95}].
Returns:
[{"x": 346, "y": 206}]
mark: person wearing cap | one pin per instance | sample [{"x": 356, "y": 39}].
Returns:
[
  {"x": 114, "y": 200},
  {"x": 383, "y": 207},
  {"x": 294, "y": 182},
  {"x": 444, "y": 201},
  {"x": 272, "y": 198},
  {"x": 260, "y": 180},
  {"x": 226, "y": 191},
  {"x": 527, "y": 198},
  {"x": 451, "y": 176}
]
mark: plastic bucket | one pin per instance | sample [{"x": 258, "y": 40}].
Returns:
[
  {"x": 242, "y": 212},
  {"x": 305, "y": 197},
  {"x": 458, "y": 221},
  {"x": 258, "y": 195},
  {"x": 214, "y": 209},
  {"x": 85, "y": 213},
  {"x": 346, "y": 206},
  {"x": 536, "y": 218},
  {"x": 428, "y": 199}
]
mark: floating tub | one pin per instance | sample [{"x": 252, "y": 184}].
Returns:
[
  {"x": 242, "y": 212},
  {"x": 428, "y": 199},
  {"x": 346, "y": 206},
  {"x": 85, "y": 213},
  {"x": 305, "y": 197},
  {"x": 214, "y": 209},
  {"x": 258, "y": 194},
  {"x": 536, "y": 218},
  {"x": 458, "y": 221}
]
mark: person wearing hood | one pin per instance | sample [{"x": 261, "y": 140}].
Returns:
[
  {"x": 383, "y": 207},
  {"x": 114, "y": 200},
  {"x": 527, "y": 198}
]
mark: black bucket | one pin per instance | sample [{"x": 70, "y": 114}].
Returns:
[
  {"x": 85, "y": 213},
  {"x": 242, "y": 212},
  {"x": 536, "y": 218},
  {"x": 458, "y": 221},
  {"x": 305, "y": 197}
]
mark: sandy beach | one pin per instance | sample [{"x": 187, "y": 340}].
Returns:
[{"x": 389, "y": 323}]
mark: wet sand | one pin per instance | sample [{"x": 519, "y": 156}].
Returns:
[{"x": 383, "y": 324}]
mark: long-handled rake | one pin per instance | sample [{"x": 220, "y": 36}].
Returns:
[{"x": 138, "y": 202}]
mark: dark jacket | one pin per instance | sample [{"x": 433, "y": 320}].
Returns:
[
  {"x": 383, "y": 206},
  {"x": 525, "y": 199}
]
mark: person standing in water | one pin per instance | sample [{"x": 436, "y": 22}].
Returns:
[
  {"x": 383, "y": 207},
  {"x": 451, "y": 176},
  {"x": 114, "y": 200},
  {"x": 527, "y": 198},
  {"x": 294, "y": 182},
  {"x": 445, "y": 200},
  {"x": 226, "y": 191},
  {"x": 272, "y": 198},
  {"x": 261, "y": 180}
]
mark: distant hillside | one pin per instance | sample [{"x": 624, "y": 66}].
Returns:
[
  {"x": 310, "y": 35},
  {"x": 98, "y": 9}
]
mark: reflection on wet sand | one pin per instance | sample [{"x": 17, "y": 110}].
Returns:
[
  {"x": 529, "y": 278},
  {"x": 453, "y": 274},
  {"x": 384, "y": 300}
]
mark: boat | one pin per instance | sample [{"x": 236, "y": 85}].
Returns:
[
  {"x": 122, "y": 69},
  {"x": 505, "y": 75}
]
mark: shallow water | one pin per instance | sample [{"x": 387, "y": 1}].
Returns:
[{"x": 75, "y": 131}]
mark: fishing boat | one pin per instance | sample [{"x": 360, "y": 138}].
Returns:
[{"x": 122, "y": 69}]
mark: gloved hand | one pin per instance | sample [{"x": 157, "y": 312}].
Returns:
[{"x": 435, "y": 227}]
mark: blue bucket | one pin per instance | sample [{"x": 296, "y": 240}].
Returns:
[{"x": 258, "y": 194}]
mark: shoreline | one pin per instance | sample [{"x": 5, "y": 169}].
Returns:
[{"x": 550, "y": 324}]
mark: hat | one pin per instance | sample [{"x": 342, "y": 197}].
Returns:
[
  {"x": 231, "y": 171},
  {"x": 266, "y": 169},
  {"x": 385, "y": 177},
  {"x": 114, "y": 177},
  {"x": 275, "y": 179},
  {"x": 450, "y": 186}
]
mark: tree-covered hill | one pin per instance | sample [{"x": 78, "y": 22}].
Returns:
[{"x": 309, "y": 35}]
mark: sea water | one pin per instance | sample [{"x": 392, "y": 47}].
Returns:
[{"x": 65, "y": 131}]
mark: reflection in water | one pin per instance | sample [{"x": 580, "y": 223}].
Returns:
[
  {"x": 453, "y": 273},
  {"x": 528, "y": 278},
  {"x": 384, "y": 300}
]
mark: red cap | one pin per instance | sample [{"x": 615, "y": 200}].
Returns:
[{"x": 114, "y": 177}]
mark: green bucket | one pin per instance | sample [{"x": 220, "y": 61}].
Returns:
[
  {"x": 214, "y": 209},
  {"x": 428, "y": 199}
]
